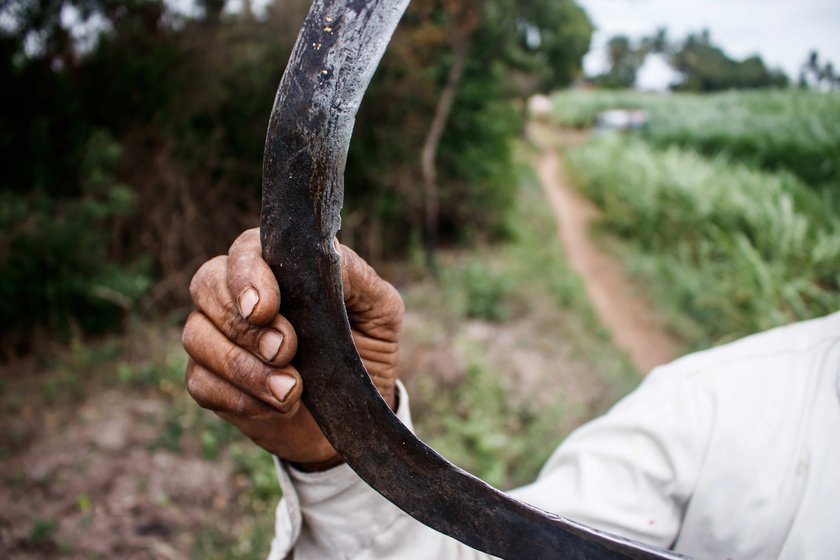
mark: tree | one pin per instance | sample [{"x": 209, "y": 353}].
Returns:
[
  {"x": 657, "y": 43},
  {"x": 468, "y": 60},
  {"x": 552, "y": 38},
  {"x": 707, "y": 68},
  {"x": 464, "y": 20},
  {"x": 704, "y": 65},
  {"x": 185, "y": 101},
  {"x": 818, "y": 75},
  {"x": 625, "y": 61}
]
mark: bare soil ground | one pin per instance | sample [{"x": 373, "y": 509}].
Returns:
[
  {"x": 92, "y": 487},
  {"x": 97, "y": 468},
  {"x": 633, "y": 322},
  {"x": 80, "y": 487}
]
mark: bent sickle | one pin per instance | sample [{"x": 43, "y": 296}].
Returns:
[{"x": 336, "y": 53}]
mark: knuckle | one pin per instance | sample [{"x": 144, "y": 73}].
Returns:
[
  {"x": 196, "y": 389},
  {"x": 395, "y": 306},
  {"x": 235, "y": 327},
  {"x": 236, "y": 365},
  {"x": 188, "y": 335},
  {"x": 201, "y": 279},
  {"x": 252, "y": 234},
  {"x": 241, "y": 405},
  {"x": 245, "y": 239}
]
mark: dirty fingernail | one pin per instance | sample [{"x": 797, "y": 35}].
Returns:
[
  {"x": 280, "y": 386},
  {"x": 270, "y": 344},
  {"x": 248, "y": 301}
]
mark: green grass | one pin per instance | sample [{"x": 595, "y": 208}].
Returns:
[
  {"x": 481, "y": 420},
  {"x": 579, "y": 109},
  {"x": 42, "y": 531},
  {"x": 789, "y": 130},
  {"x": 500, "y": 282},
  {"x": 729, "y": 250},
  {"x": 481, "y": 425}
]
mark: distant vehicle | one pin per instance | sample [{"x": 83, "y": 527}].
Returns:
[{"x": 621, "y": 120}]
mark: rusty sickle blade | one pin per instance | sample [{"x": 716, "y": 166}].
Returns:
[{"x": 333, "y": 60}]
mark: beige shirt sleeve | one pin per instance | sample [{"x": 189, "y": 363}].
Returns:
[
  {"x": 629, "y": 472},
  {"x": 334, "y": 514},
  {"x": 732, "y": 452}
]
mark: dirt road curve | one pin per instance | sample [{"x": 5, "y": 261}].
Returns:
[{"x": 633, "y": 323}]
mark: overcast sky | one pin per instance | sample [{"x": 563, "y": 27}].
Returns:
[{"x": 781, "y": 31}]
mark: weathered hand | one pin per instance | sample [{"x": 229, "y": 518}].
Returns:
[{"x": 241, "y": 348}]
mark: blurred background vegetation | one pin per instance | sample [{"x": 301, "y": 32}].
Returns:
[
  {"x": 134, "y": 157},
  {"x": 131, "y": 138},
  {"x": 728, "y": 205}
]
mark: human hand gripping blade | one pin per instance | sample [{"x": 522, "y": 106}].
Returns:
[{"x": 336, "y": 53}]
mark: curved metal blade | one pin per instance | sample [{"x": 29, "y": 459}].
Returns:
[{"x": 333, "y": 60}]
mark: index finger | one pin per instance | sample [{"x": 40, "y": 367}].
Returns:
[{"x": 251, "y": 281}]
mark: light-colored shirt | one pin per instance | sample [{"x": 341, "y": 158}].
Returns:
[{"x": 732, "y": 452}]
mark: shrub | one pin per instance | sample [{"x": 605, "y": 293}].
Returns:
[{"x": 55, "y": 266}]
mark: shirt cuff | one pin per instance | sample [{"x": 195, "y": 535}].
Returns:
[{"x": 335, "y": 510}]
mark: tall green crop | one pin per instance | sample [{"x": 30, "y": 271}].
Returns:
[
  {"x": 789, "y": 130},
  {"x": 792, "y": 130},
  {"x": 730, "y": 249}
]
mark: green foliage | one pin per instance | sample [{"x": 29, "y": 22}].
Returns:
[
  {"x": 250, "y": 544},
  {"x": 258, "y": 466},
  {"x": 170, "y": 435},
  {"x": 384, "y": 203},
  {"x": 730, "y": 249},
  {"x": 186, "y": 104},
  {"x": 707, "y": 68},
  {"x": 552, "y": 35},
  {"x": 483, "y": 291},
  {"x": 791, "y": 130},
  {"x": 479, "y": 425},
  {"x": 476, "y": 152},
  {"x": 703, "y": 65},
  {"x": 496, "y": 284},
  {"x": 54, "y": 255},
  {"x": 625, "y": 61},
  {"x": 579, "y": 108},
  {"x": 481, "y": 415},
  {"x": 480, "y": 418},
  {"x": 43, "y": 532},
  {"x": 787, "y": 130}
]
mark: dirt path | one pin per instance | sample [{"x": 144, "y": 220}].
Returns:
[{"x": 633, "y": 323}]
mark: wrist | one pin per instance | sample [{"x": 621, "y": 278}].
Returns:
[
  {"x": 393, "y": 402},
  {"x": 319, "y": 466}
]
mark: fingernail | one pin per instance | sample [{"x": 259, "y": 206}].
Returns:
[
  {"x": 280, "y": 386},
  {"x": 270, "y": 344},
  {"x": 248, "y": 301}
]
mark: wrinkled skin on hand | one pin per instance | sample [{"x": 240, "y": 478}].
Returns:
[{"x": 241, "y": 348}]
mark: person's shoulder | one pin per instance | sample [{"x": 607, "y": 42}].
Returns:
[{"x": 785, "y": 350}]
